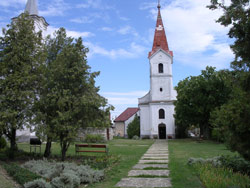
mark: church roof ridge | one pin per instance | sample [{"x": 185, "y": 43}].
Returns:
[
  {"x": 31, "y": 7},
  {"x": 160, "y": 39},
  {"x": 124, "y": 116}
]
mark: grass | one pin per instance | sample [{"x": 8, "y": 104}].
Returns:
[
  {"x": 180, "y": 151},
  {"x": 129, "y": 152},
  {"x": 221, "y": 177},
  {"x": 5, "y": 182}
]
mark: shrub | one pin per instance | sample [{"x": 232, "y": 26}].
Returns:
[
  {"x": 64, "y": 173},
  {"x": 3, "y": 143},
  {"x": 39, "y": 183},
  {"x": 67, "y": 179},
  {"x": 220, "y": 177},
  {"x": 214, "y": 161},
  {"x": 20, "y": 174},
  {"x": 94, "y": 138},
  {"x": 134, "y": 128},
  {"x": 236, "y": 163},
  {"x": 136, "y": 137}
]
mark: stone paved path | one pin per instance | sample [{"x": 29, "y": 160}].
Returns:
[{"x": 151, "y": 170}]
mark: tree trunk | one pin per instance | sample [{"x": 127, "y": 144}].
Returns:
[
  {"x": 47, "y": 151},
  {"x": 201, "y": 131},
  {"x": 63, "y": 150},
  {"x": 13, "y": 146}
]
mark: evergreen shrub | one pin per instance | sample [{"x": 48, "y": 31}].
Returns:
[{"x": 134, "y": 128}]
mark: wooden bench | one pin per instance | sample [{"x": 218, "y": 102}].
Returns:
[{"x": 78, "y": 148}]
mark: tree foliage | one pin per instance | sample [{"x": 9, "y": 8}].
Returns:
[
  {"x": 134, "y": 128},
  {"x": 68, "y": 99},
  {"x": 232, "y": 119},
  {"x": 197, "y": 97},
  {"x": 20, "y": 57}
]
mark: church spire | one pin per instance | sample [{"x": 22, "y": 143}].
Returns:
[
  {"x": 160, "y": 39},
  {"x": 31, "y": 7}
]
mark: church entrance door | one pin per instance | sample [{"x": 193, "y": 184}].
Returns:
[{"x": 162, "y": 131}]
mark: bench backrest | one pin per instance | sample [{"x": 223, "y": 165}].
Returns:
[{"x": 91, "y": 146}]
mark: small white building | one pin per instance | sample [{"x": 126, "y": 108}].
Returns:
[
  {"x": 122, "y": 121},
  {"x": 156, "y": 107}
]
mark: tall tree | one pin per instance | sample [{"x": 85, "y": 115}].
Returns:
[
  {"x": 20, "y": 57},
  {"x": 69, "y": 99},
  {"x": 197, "y": 97},
  {"x": 233, "y": 117}
]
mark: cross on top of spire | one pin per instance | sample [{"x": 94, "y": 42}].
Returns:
[{"x": 159, "y": 4}]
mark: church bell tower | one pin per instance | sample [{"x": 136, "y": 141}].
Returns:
[
  {"x": 157, "y": 108},
  {"x": 39, "y": 21}
]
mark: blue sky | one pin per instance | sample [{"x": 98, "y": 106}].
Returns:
[{"x": 119, "y": 34}]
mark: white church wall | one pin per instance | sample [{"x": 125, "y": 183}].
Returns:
[
  {"x": 168, "y": 120},
  {"x": 144, "y": 120}
]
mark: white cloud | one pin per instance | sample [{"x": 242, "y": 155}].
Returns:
[
  {"x": 12, "y": 3},
  {"x": 107, "y": 29},
  {"x": 96, "y": 4},
  {"x": 128, "y": 30},
  {"x": 123, "y": 100},
  {"x": 83, "y": 19},
  {"x": 55, "y": 8},
  {"x": 193, "y": 34},
  {"x": 74, "y": 34},
  {"x": 133, "y": 51}
]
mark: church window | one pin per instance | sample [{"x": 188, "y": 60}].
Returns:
[
  {"x": 161, "y": 114},
  {"x": 160, "y": 68},
  {"x": 161, "y": 89}
]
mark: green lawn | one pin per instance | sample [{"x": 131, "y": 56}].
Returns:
[
  {"x": 130, "y": 151},
  {"x": 182, "y": 175}
]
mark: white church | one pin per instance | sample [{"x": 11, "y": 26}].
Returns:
[{"x": 156, "y": 108}]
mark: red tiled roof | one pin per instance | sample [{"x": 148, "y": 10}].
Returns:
[
  {"x": 160, "y": 39},
  {"x": 126, "y": 114}
]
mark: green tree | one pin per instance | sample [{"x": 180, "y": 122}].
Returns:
[
  {"x": 20, "y": 57},
  {"x": 197, "y": 97},
  {"x": 232, "y": 118},
  {"x": 134, "y": 128},
  {"x": 69, "y": 99}
]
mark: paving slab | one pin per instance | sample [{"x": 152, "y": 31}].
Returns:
[
  {"x": 155, "y": 155},
  {"x": 154, "y": 158},
  {"x": 142, "y": 166},
  {"x": 144, "y": 182},
  {"x": 148, "y": 172},
  {"x": 152, "y": 161}
]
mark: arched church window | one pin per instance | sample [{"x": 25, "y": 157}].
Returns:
[
  {"x": 161, "y": 114},
  {"x": 160, "y": 68},
  {"x": 161, "y": 89}
]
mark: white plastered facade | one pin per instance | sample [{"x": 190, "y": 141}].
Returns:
[{"x": 161, "y": 96}]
